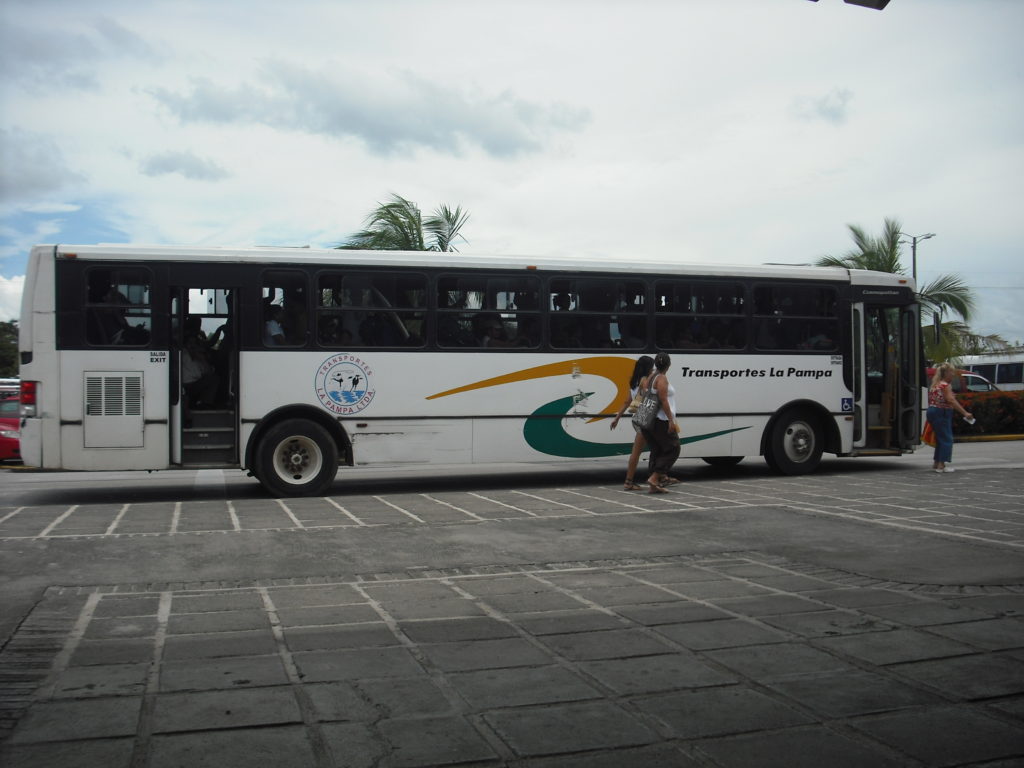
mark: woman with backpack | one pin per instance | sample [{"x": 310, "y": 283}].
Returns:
[{"x": 641, "y": 370}]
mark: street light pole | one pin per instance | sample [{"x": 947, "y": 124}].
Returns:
[{"x": 913, "y": 250}]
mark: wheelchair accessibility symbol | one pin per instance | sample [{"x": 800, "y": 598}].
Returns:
[{"x": 847, "y": 405}]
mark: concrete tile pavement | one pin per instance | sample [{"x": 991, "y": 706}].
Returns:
[
  {"x": 741, "y": 630},
  {"x": 735, "y": 659}
]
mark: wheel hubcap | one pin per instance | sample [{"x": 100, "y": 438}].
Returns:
[
  {"x": 799, "y": 442},
  {"x": 298, "y": 459}
]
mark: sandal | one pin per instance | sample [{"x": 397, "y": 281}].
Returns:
[
  {"x": 666, "y": 480},
  {"x": 630, "y": 486},
  {"x": 655, "y": 488}
]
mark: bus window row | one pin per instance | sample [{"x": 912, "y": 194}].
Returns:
[
  {"x": 486, "y": 311},
  {"x": 1008, "y": 376}
]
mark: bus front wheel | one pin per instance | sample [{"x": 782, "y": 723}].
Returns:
[
  {"x": 297, "y": 458},
  {"x": 795, "y": 444}
]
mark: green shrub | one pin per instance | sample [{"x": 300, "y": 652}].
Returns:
[{"x": 997, "y": 413}]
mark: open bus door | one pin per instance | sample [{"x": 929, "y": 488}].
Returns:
[
  {"x": 204, "y": 377},
  {"x": 886, "y": 373},
  {"x": 909, "y": 405}
]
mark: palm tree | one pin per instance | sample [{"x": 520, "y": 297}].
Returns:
[
  {"x": 946, "y": 293},
  {"x": 398, "y": 226},
  {"x": 956, "y": 339},
  {"x": 882, "y": 254}
]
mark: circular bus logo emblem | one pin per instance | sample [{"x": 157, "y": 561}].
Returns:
[{"x": 344, "y": 384}]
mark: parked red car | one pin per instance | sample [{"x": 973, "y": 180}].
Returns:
[{"x": 10, "y": 429}]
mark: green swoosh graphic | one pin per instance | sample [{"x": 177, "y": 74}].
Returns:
[{"x": 543, "y": 432}]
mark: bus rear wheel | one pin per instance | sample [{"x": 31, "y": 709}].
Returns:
[
  {"x": 722, "y": 462},
  {"x": 795, "y": 444},
  {"x": 296, "y": 458}
]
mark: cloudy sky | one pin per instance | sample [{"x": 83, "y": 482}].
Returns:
[{"x": 746, "y": 131}]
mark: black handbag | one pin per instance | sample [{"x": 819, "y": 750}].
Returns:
[{"x": 647, "y": 412}]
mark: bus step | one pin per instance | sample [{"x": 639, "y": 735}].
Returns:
[
  {"x": 208, "y": 438},
  {"x": 209, "y": 430},
  {"x": 220, "y": 446},
  {"x": 209, "y": 454},
  {"x": 878, "y": 452},
  {"x": 211, "y": 419}
]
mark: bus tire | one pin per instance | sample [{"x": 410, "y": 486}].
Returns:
[
  {"x": 722, "y": 462},
  {"x": 795, "y": 443},
  {"x": 296, "y": 458}
]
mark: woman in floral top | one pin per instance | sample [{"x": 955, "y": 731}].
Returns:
[{"x": 941, "y": 404}]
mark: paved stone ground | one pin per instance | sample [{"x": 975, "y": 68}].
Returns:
[
  {"x": 972, "y": 506},
  {"x": 866, "y": 619},
  {"x": 734, "y": 660}
]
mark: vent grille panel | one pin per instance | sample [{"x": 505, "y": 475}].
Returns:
[
  {"x": 113, "y": 409},
  {"x": 113, "y": 395}
]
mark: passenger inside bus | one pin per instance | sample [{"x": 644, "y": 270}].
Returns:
[
  {"x": 107, "y": 319},
  {"x": 199, "y": 379},
  {"x": 632, "y": 330},
  {"x": 328, "y": 330},
  {"x": 452, "y": 332},
  {"x": 565, "y": 333},
  {"x": 685, "y": 340},
  {"x": 819, "y": 340},
  {"x": 561, "y": 302},
  {"x": 294, "y": 316},
  {"x": 378, "y": 330},
  {"x": 492, "y": 333},
  {"x": 595, "y": 333},
  {"x": 273, "y": 331},
  {"x": 107, "y": 325}
]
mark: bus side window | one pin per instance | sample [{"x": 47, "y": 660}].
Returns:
[
  {"x": 383, "y": 309},
  {"x": 795, "y": 317},
  {"x": 1009, "y": 373},
  {"x": 565, "y": 332},
  {"x": 703, "y": 315},
  {"x": 285, "y": 314},
  {"x": 118, "y": 309},
  {"x": 455, "y": 330}
]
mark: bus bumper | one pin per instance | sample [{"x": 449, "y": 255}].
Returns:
[{"x": 32, "y": 442}]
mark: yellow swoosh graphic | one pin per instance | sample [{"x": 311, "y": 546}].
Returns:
[{"x": 616, "y": 369}]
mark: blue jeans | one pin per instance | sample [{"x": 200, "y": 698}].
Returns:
[{"x": 941, "y": 420}]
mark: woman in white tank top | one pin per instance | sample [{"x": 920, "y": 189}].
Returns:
[{"x": 663, "y": 436}]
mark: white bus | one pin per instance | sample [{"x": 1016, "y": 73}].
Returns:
[
  {"x": 1006, "y": 369},
  {"x": 320, "y": 359}
]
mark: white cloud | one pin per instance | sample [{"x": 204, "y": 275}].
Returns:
[
  {"x": 832, "y": 107},
  {"x": 31, "y": 166},
  {"x": 10, "y": 297},
  {"x": 50, "y": 208},
  {"x": 388, "y": 112},
  {"x": 15, "y": 242},
  {"x": 747, "y": 131},
  {"x": 998, "y": 311},
  {"x": 188, "y": 164},
  {"x": 66, "y": 54}
]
